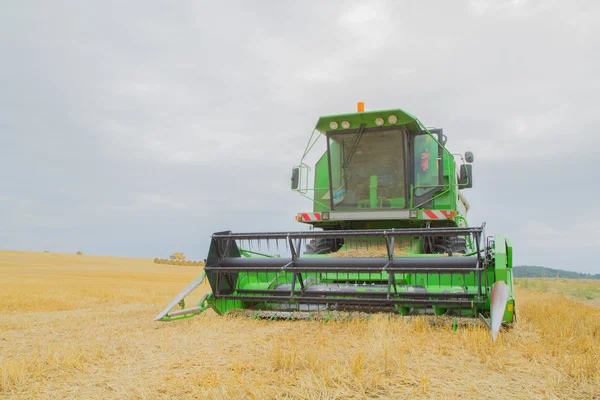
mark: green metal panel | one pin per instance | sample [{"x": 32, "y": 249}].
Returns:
[
  {"x": 510, "y": 313},
  {"x": 503, "y": 272},
  {"x": 500, "y": 259},
  {"x": 509, "y": 252}
]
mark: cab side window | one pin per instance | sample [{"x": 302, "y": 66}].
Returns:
[{"x": 426, "y": 164}]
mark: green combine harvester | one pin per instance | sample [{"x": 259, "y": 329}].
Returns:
[{"x": 388, "y": 232}]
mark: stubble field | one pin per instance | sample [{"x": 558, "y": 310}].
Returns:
[{"x": 81, "y": 327}]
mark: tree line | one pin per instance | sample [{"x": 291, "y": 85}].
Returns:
[{"x": 534, "y": 271}]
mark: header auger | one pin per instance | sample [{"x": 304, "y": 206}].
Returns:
[{"x": 388, "y": 233}]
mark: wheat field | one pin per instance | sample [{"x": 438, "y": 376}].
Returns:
[{"x": 80, "y": 327}]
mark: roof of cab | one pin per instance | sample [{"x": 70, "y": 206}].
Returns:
[{"x": 368, "y": 118}]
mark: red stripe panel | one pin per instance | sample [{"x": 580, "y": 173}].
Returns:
[
  {"x": 317, "y": 216},
  {"x": 305, "y": 217},
  {"x": 430, "y": 214}
]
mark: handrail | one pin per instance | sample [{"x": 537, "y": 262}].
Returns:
[{"x": 444, "y": 191}]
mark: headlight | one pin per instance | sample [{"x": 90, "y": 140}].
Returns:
[
  {"x": 333, "y": 125},
  {"x": 379, "y": 121},
  {"x": 392, "y": 119},
  {"x": 345, "y": 124}
]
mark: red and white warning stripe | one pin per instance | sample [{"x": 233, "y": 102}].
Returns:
[
  {"x": 310, "y": 216},
  {"x": 437, "y": 214},
  {"x": 427, "y": 214}
]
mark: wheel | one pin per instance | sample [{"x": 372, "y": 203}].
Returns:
[
  {"x": 323, "y": 246},
  {"x": 440, "y": 245}
]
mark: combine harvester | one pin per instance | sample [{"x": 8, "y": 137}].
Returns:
[{"x": 388, "y": 232}]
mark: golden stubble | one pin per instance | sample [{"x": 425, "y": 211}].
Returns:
[{"x": 81, "y": 327}]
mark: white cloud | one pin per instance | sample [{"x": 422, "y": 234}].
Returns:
[
  {"x": 160, "y": 200},
  {"x": 516, "y": 8},
  {"x": 195, "y": 115},
  {"x": 538, "y": 228},
  {"x": 582, "y": 232}
]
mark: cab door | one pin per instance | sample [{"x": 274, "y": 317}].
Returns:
[{"x": 426, "y": 169}]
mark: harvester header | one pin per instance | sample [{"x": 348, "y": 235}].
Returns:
[{"x": 388, "y": 232}]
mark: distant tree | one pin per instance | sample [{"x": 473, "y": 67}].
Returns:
[{"x": 533, "y": 271}]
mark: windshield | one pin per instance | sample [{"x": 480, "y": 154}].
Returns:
[{"x": 367, "y": 169}]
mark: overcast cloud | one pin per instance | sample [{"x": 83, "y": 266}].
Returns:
[{"x": 140, "y": 129}]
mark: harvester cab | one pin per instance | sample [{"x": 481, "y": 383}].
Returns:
[{"x": 387, "y": 232}]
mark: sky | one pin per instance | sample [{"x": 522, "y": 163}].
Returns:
[{"x": 140, "y": 128}]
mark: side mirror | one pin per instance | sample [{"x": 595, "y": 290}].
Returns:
[
  {"x": 465, "y": 181},
  {"x": 295, "y": 178},
  {"x": 469, "y": 157}
]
